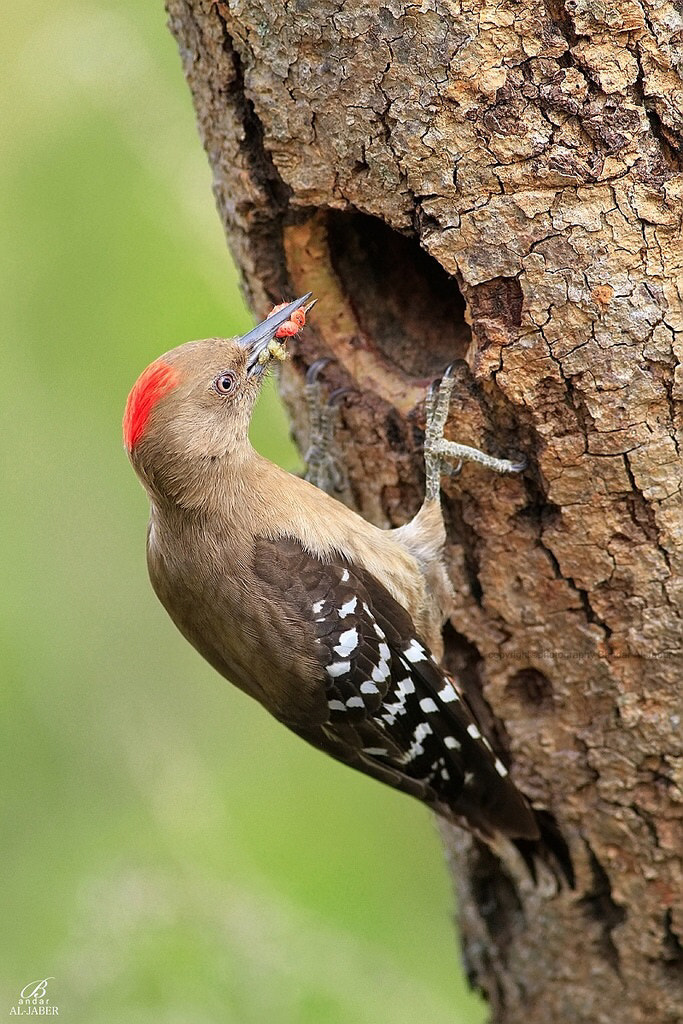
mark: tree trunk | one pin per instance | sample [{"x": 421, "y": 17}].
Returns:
[{"x": 501, "y": 183}]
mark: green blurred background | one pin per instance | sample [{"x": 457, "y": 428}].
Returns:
[{"x": 169, "y": 854}]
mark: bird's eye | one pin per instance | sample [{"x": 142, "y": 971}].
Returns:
[{"x": 225, "y": 383}]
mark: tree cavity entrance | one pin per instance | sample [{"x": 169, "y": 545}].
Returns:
[{"x": 403, "y": 300}]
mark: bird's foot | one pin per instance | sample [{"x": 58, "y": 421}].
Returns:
[
  {"x": 322, "y": 466},
  {"x": 443, "y": 456}
]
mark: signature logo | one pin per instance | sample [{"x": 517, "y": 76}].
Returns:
[{"x": 34, "y": 1002}]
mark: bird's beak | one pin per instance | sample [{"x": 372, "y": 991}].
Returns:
[{"x": 257, "y": 340}]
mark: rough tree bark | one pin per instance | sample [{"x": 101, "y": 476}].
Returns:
[{"x": 501, "y": 182}]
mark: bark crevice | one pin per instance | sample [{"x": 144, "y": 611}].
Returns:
[{"x": 600, "y": 906}]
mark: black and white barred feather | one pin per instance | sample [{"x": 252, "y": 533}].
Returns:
[{"x": 392, "y": 711}]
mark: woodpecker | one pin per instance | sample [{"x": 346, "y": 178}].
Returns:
[{"x": 331, "y": 623}]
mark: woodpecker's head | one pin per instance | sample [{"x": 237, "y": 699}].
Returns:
[{"x": 190, "y": 409}]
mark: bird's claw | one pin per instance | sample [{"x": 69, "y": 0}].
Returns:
[
  {"x": 322, "y": 466},
  {"x": 314, "y": 369},
  {"x": 443, "y": 457}
]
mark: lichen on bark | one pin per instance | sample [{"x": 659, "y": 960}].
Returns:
[{"x": 501, "y": 183}]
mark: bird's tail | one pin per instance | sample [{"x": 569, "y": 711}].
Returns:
[{"x": 551, "y": 849}]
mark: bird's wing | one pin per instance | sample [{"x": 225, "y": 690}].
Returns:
[{"x": 392, "y": 711}]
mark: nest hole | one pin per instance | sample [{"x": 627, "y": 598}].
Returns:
[{"x": 402, "y": 297}]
